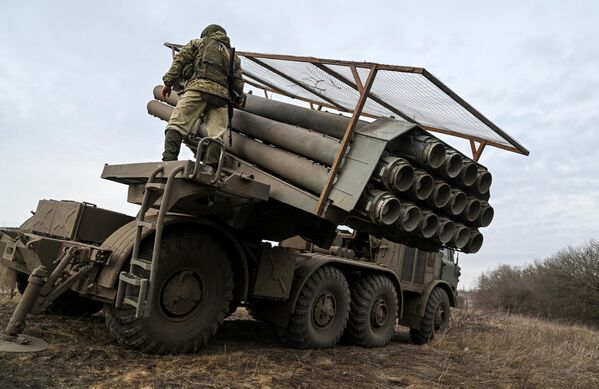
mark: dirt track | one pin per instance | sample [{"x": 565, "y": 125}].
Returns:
[{"x": 248, "y": 354}]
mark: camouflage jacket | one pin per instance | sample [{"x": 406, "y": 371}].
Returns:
[{"x": 185, "y": 64}]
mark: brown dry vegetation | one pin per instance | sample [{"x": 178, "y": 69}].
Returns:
[
  {"x": 562, "y": 287},
  {"x": 481, "y": 350}
]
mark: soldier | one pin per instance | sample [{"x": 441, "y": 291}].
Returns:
[{"x": 205, "y": 66}]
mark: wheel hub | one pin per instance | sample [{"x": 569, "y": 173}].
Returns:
[
  {"x": 378, "y": 313},
  {"x": 323, "y": 312},
  {"x": 439, "y": 318},
  {"x": 182, "y": 293}
]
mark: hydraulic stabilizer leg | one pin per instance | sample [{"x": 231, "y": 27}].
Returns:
[
  {"x": 16, "y": 325},
  {"x": 12, "y": 338}
]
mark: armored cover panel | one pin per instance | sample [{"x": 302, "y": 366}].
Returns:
[
  {"x": 74, "y": 221},
  {"x": 65, "y": 219},
  {"x": 361, "y": 160},
  {"x": 55, "y": 218},
  {"x": 41, "y": 222},
  {"x": 96, "y": 224}
]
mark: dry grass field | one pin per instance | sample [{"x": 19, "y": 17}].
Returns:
[{"x": 480, "y": 351}]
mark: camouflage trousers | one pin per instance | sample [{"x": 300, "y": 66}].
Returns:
[{"x": 189, "y": 108}]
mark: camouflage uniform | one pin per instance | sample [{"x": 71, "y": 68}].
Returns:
[{"x": 204, "y": 63}]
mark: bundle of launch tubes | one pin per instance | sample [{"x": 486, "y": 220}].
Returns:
[{"x": 422, "y": 190}]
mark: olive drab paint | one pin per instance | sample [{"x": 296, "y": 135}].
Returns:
[{"x": 203, "y": 65}]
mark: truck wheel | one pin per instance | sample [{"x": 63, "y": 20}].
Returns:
[
  {"x": 373, "y": 311},
  {"x": 435, "y": 319},
  {"x": 192, "y": 295},
  {"x": 67, "y": 304},
  {"x": 321, "y": 311}
]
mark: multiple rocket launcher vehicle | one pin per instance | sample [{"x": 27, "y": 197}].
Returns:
[
  {"x": 422, "y": 192},
  {"x": 196, "y": 250}
]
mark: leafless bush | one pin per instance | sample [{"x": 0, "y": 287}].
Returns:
[{"x": 564, "y": 286}]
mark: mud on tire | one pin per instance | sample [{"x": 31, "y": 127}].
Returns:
[
  {"x": 435, "y": 319},
  {"x": 373, "y": 313},
  {"x": 321, "y": 311},
  {"x": 192, "y": 296}
]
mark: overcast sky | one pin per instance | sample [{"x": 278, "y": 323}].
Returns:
[{"x": 76, "y": 77}]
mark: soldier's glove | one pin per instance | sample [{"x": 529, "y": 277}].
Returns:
[
  {"x": 240, "y": 100},
  {"x": 166, "y": 91}
]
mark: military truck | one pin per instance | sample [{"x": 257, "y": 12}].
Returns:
[{"x": 198, "y": 247}]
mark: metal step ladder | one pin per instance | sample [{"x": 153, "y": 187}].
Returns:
[{"x": 153, "y": 192}]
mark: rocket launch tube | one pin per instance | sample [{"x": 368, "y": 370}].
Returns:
[
  {"x": 486, "y": 215},
  {"x": 301, "y": 171},
  {"x": 483, "y": 181},
  {"x": 323, "y": 122},
  {"x": 472, "y": 210},
  {"x": 446, "y": 231},
  {"x": 475, "y": 242},
  {"x": 409, "y": 217},
  {"x": 457, "y": 202},
  {"x": 440, "y": 195},
  {"x": 425, "y": 151},
  {"x": 469, "y": 173},
  {"x": 429, "y": 224},
  {"x": 452, "y": 165},
  {"x": 382, "y": 207},
  {"x": 422, "y": 186},
  {"x": 461, "y": 237},
  {"x": 396, "y": 174},
  {"x": 310, "y": 144}
]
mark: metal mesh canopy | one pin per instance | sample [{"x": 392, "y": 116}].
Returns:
[{"x": 406, "y": 93}]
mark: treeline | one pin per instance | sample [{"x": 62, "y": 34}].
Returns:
[{"x": 564, "y": 286}]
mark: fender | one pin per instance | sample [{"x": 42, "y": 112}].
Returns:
[
  {"x": 443, "y": 284},
  {"x": 279, "y": 312},
  {"x": 121, "y": 245}
]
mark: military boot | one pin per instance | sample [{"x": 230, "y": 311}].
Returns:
[{"x": 172, "y": 145}]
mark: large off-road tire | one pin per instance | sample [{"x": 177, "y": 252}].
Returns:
[
  {"x": 373, "y": 312},
  {"x": 321, "y": 311},
  {"x": 192, "y": 295},
  {"x": 69, "y": 303},
  {"x": 436, "y": 317}
]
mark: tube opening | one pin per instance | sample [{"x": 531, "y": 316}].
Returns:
[
  {"x": 423, "y": 186},
  {"x": 410, "y": 218},
  {"x": 429, "y": 225},
  {"x": 446, "y": 231},
  {"x": 435, "y": 155},
  {"x": 403, "y": 177},
  {"x": 461, "y": 237},
  {"x": 469, "y": 173},
  {"x": 473, "y": 210},
  {"x": 458, "y": 203},
  {"x": 486, "y": 216},
  {"x": 483, "y": 182},
  {"x": 453, "y": 165},
  {"x": 441, "y": 195},
  {"x": 388, "y": 210},
  {"x": 475, "y": 243}
]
